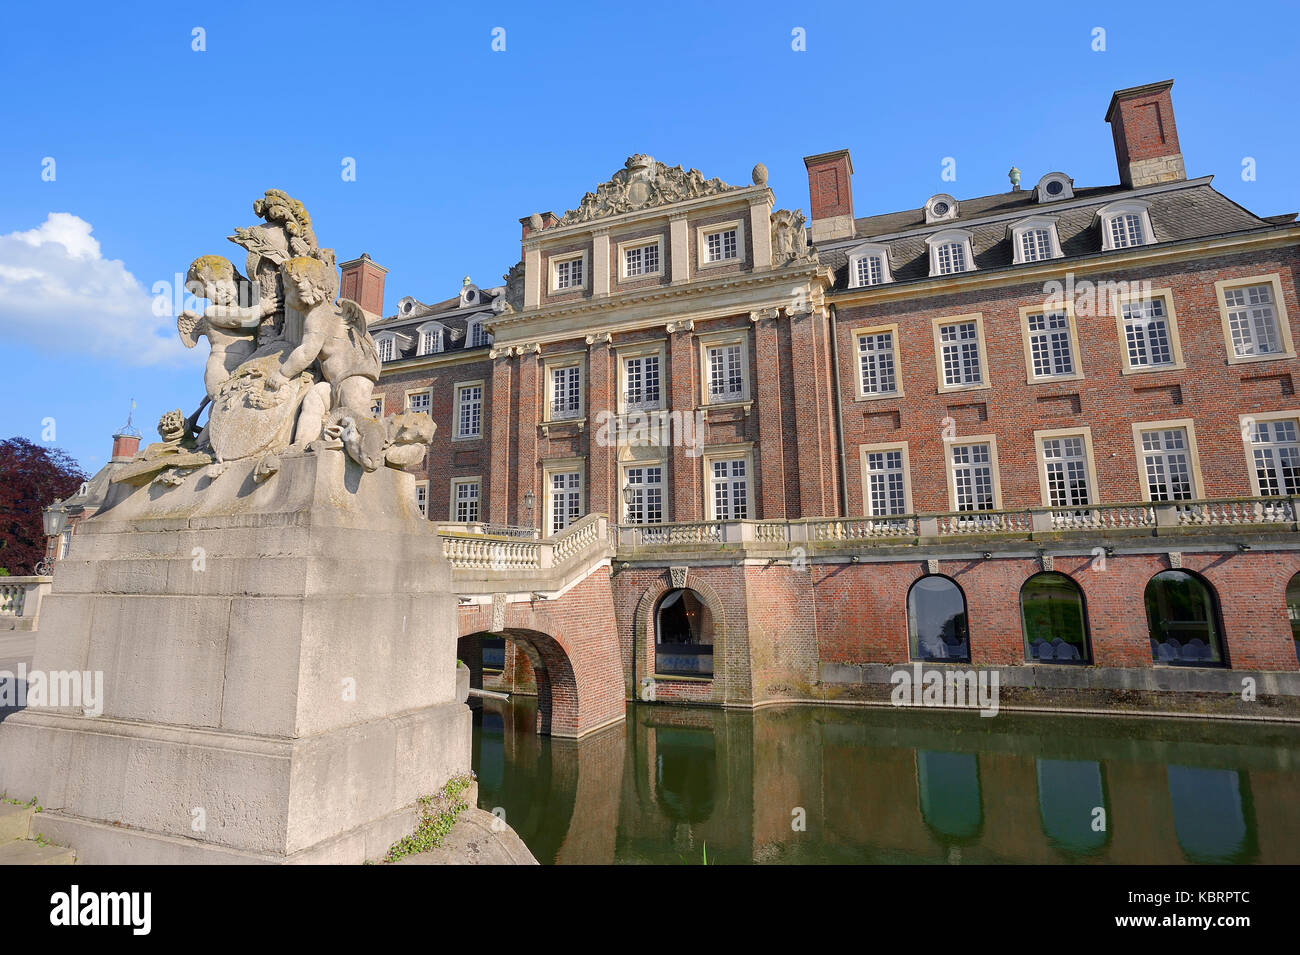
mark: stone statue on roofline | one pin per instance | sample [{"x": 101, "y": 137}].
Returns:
[{"x": 291, "y": 368}]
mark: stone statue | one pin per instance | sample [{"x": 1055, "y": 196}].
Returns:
[
  {"x": 643, "y": 183},
  {"x": 291, "y": 368},
  {"x": 789, "y": 239}
]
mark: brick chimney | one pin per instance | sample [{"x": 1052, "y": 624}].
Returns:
[
  {"x": 1146, "y": 139},
  {"x": 830, "y": 194},
  {"x": 363, "y": 282},
  {"x": 125, "y": 446}
]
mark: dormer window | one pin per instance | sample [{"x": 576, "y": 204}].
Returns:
[
  {"x": 476, "y": 336},
  {"x": 431, "y": 339},
  {"x": 950, "y": 252},
  {"x": 1034, "y": 240},
  {"x": 869, "y": 265},
  {"x": 387, "y": 345},
  {"x": 940, "y": 208},
  {"x": 1125, "y": 225},
  {"x": 1054, "y": 186}
]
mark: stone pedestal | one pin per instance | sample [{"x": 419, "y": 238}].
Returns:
[{"x": 279, "y": 671}]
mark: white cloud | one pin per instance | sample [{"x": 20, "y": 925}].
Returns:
[{"x": 58, "y": 292}]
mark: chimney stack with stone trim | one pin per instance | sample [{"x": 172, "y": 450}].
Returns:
[
  {"x": 363, "y": 282},
  {"x": 830, "y": 194},
  {"x": 1146, "y": 138}
]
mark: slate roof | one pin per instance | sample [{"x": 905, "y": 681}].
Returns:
[
  {"x": 1195, "y": 210},
  {"x": 449, "y": 313}
]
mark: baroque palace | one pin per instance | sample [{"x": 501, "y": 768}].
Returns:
[{"x": 1053, "y": 431}]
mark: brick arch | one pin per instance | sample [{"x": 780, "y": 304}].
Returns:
[
  {"x": 557, "y": 684},
  {"x": 643, "y": 633}
]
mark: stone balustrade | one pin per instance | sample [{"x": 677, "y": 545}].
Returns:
[{"x": 20, "y": 601}]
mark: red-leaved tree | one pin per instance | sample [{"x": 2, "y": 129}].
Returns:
[{"x": 32, "y": 477}]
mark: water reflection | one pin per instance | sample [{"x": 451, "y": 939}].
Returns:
[{"x": 826, "y": 784}]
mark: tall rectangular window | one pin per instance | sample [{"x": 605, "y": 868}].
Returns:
[
  {"x": 469, "y": 411},
  {"x": 565, "y": 499},
  {"x": 641, "y": 260},
  {"x": 720, "y": 246},
  {"x": 1146, "y": 333},
  {"x": 465, "y": 501},
  {"x": 387, "y": 349},
  {"x": 1275, "y": 455},
  {"x": 1065, "y": 463},
  {"x": 568, "y": 274},
  {"x": 886, "y": 483},
  {"x": 960, "y": 354},
  {"x": 422, "y": 498},
  {"x": 566, "y": 392},
  {"x": 876, "y": 363},
  {"x": 972, "y": 477},
  {"x": 1252, "y": 320},
  {"x": 1050, "y": 351},
  {"x": 430, "y": 341},
  {"x": 478, "y": 336},
  {"x": 729, "y": 481},
  {"x": 1167, "y": 465},
  {"x": 641, "y": 382},
  {"x": 647, "y": 505},
  {"x": 726, "y": 373}
]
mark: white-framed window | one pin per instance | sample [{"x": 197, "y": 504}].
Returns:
[
  {"x": 640, "y": 258},
  {"x": 1054, "y": 187},
  {"x": 877, "y": 362},
  {"x": 647, "y": 484},
  {"x": 469, "y": 410},
  {"x": 1167, "y": 460},
  {"x": 420, "y": 401},
  {"x": 959, "y": 352},
  {"x": 1255, "y": 325},
  {"x": 1274, "y": 452},
  {"x": 565, "y": 387},
  {"x": 725, "y": 370},
  {"x": 729, "y": 488},
  {"x": 465, "y": 496},
  {"x": 476, "y": 335},
  {"x": 720, "y": 243},
  {"x": 1049, "y": 340},
  {"x": 431, "y": 340},
  {"x": 377, "y": 405},
  {"x": 972, "y": 475},
  {"x": 940, "y": 208},
  {"x": 869, "y": 265},
  {"x": 950, "y": 252},
  {"x": 1125, "y": 225},
  {"x": 569, "y": 272},
  {"x": 422, "y": 498},
  {"x": 643, "y": 382},
  {"x": 563, "y": 498},
  {"x": 387, "y": 346},
  {"x": 1065, "y": 471},
  {"x": 1148, "y": 333},
  {"x": 885, "y": 482},
  {"x": 1035, "y": 239}
]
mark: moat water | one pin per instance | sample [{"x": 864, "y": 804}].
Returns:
[{"x": 812, "y": 784}]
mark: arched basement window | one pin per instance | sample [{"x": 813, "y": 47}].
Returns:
[
  {"x": 1183, "y": 620},
  {"x": 1051, "y": 612},
  {"x": 683, "y": 635},
  {"x": 936, "y": 620},
  {"x": 1293, "y": 611}
]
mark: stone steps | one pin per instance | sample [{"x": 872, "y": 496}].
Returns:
[{"x": 16, "y": 846}]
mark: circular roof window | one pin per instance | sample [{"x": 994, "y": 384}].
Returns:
[
  {"x": 1054, "y": 187},
  {"x": 940, "y": 208}
]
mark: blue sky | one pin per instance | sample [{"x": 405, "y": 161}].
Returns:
[{"x": 159, "y": 150}]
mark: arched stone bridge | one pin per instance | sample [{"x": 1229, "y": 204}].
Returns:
[{"x": 552, "y": 599}]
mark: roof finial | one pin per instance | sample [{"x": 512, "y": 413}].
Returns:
[
  {"x": 127, "y": 430},
  {"x": 1014, "y": 176},
  {"x": 466, "y": 283}
]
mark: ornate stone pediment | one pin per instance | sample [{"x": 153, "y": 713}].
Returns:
[{"x": 643, "y": 183}]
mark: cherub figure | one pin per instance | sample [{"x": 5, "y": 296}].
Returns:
[
  {"x": 230, "y": 328},
  {"x": 336, "y": 338}
]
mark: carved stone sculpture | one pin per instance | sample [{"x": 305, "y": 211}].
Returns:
[
  {"x": 789, "y": 240},
  {"x": 641, "y": 184}
]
